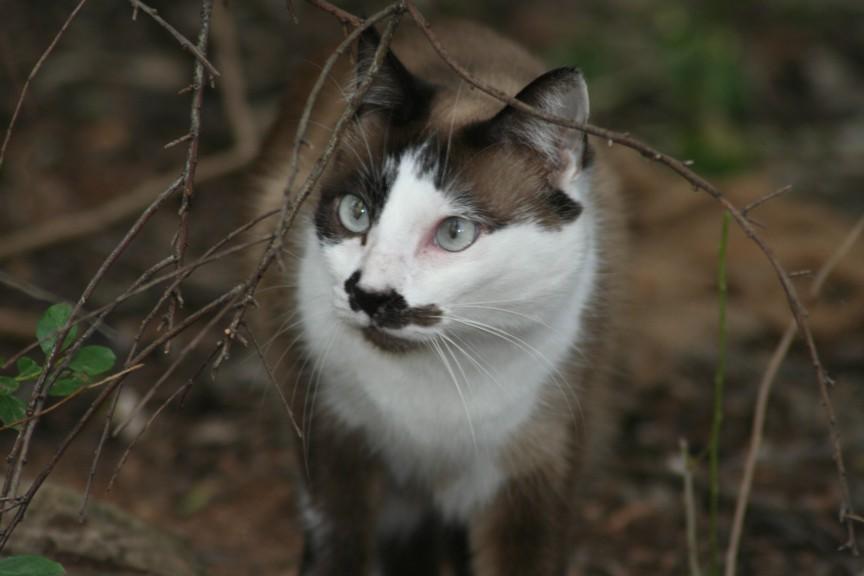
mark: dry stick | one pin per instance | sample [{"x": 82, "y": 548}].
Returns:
[
  {"x": 798, "y": 310},
  {"x": 17, "y": 457},
  {"x": 140, "y": 286},
  {"x": 43, "y": 475},
  {"x": 177, "y": 361},
  {"x": 275, "y": 383},
  {"x": 226, "y": 299},
  {"x": 764, "y": 394},
  {"x": 21, "y": 446},
  {"x": 717, "y": 420},
  {"x": 70, "y": 226},
  {"x": 27, "y": 498},
  {"x": 343, "y": 16},
  {"x": 75, "y": 394},
  {"x": 209, "y": 256},
  {"x": 84, "y": 317},
  {"x": 762, "y": 200},
  {"x": 33, "y": 72},
  {"x": 289, "y": 210},
  {"x": 241, "y": 121},
  {"x": 689, "y": 510},
  {"x": 181, "y": 238},
  {"x": 184, "y": 42}
]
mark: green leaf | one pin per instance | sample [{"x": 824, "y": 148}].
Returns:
[
  {"x": 12, "y": 409},
  {"x": 65, "y": 387},
  {"x": 8, "y": 385},
  {"x": 30, "y": 566},
  {"x": 28, "y": 369},
  {"x": 51, "y": 322},
  {"x": 93, "y": 360}
]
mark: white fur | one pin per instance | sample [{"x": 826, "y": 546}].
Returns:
[{"x": 445, "y": 434}]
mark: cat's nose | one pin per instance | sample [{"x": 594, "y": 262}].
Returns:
[{"x": 378, "y": 305}]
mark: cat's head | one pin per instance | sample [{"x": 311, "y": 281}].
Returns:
[{"x": 433, "y": 221}]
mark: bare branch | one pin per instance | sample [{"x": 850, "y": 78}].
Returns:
[
  {"x": 764, "y": 394},
  {"x": 181, "y": 239},
  {"x": 67, "y": 227},
  {"x": 273, "y": 382},
  {"x": 184, "y": 42},
  {"x": 689, "y": 510},
  {"x": 32, "y": 75},
  {"x": 290, "y": 209},
  {"x": 72, "y": 396},
  {"x": 343, "y": 16},
  {"x": 759, "y": 201}
]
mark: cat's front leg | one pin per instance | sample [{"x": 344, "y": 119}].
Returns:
[
  {"x": 525, "y": 531},
  {"x": 339, "y": 504}
]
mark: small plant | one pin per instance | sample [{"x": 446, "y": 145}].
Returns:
[
  {"x": 30, "y": 566},
  {"x": 87, "y": 363}
]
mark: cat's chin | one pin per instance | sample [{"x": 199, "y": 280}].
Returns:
[{"x": 387, "y": 342}]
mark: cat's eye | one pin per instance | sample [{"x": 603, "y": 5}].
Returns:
[
  {"x": 456, "y": 234},
  {"x": 354, "y": 214}
]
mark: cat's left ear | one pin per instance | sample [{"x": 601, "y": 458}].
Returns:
[
  {"x": 560, "y": 92},
  {"x": 394, "y": 91}
]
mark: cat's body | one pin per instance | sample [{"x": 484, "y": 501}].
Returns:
[{"x": 456, "y": 284}]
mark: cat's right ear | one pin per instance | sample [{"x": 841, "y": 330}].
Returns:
[
  {"x": 561, "y": 92},
  {"x": 394, "y": 91}
]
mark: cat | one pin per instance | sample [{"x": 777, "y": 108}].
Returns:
[{"x": 453, "y": 290}]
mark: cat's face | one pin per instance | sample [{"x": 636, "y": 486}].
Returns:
[{"x": 466, "y": 229}]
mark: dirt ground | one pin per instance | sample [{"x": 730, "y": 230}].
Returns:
[{"x": 760, "y": 98}]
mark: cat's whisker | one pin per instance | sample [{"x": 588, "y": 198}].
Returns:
[
  {"x": 315, "y": 380},
  {"x": 452, "y": 340},
  {"x": 507, "y": 311},
  {"x": 288, "y": 325},
  {"x": 499, "y": 301},
  {"x": 317, "y": 372},
  {"x": 557, "y": 377},
  {"x": 440, "y": 353},
  {"x": 447, "y": 349}
]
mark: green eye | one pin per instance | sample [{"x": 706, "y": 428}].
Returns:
[
  {"x": 354, "y": 214},
  {"x": 456, "y": 234}
]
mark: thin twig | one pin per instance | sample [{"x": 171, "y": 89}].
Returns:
[
  {"x": 17, "y": 457},
  {"x": 289, "y": 208},
  {"x": 181, "y": 238},
  {"x": 33, "y": 72},
  {"x": 167, "y": 374},
  {"x": 27, "y": 498},
  {"x": 184, "y": 42},
  {"x": 765, "y": 385},
  {"x": 767, "y": 197},
  {"x": 223, "y": 301},
  {"x": 343, "y": 16},
  {"x": 72, "y": 396},
  {"x": 66, "y": 227},
  {"x": 272, "y": 379},
  {"x": 717, "y": 421},
  {"x": 239, "y": 116},
  {"x": 690, "y": 510}
]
